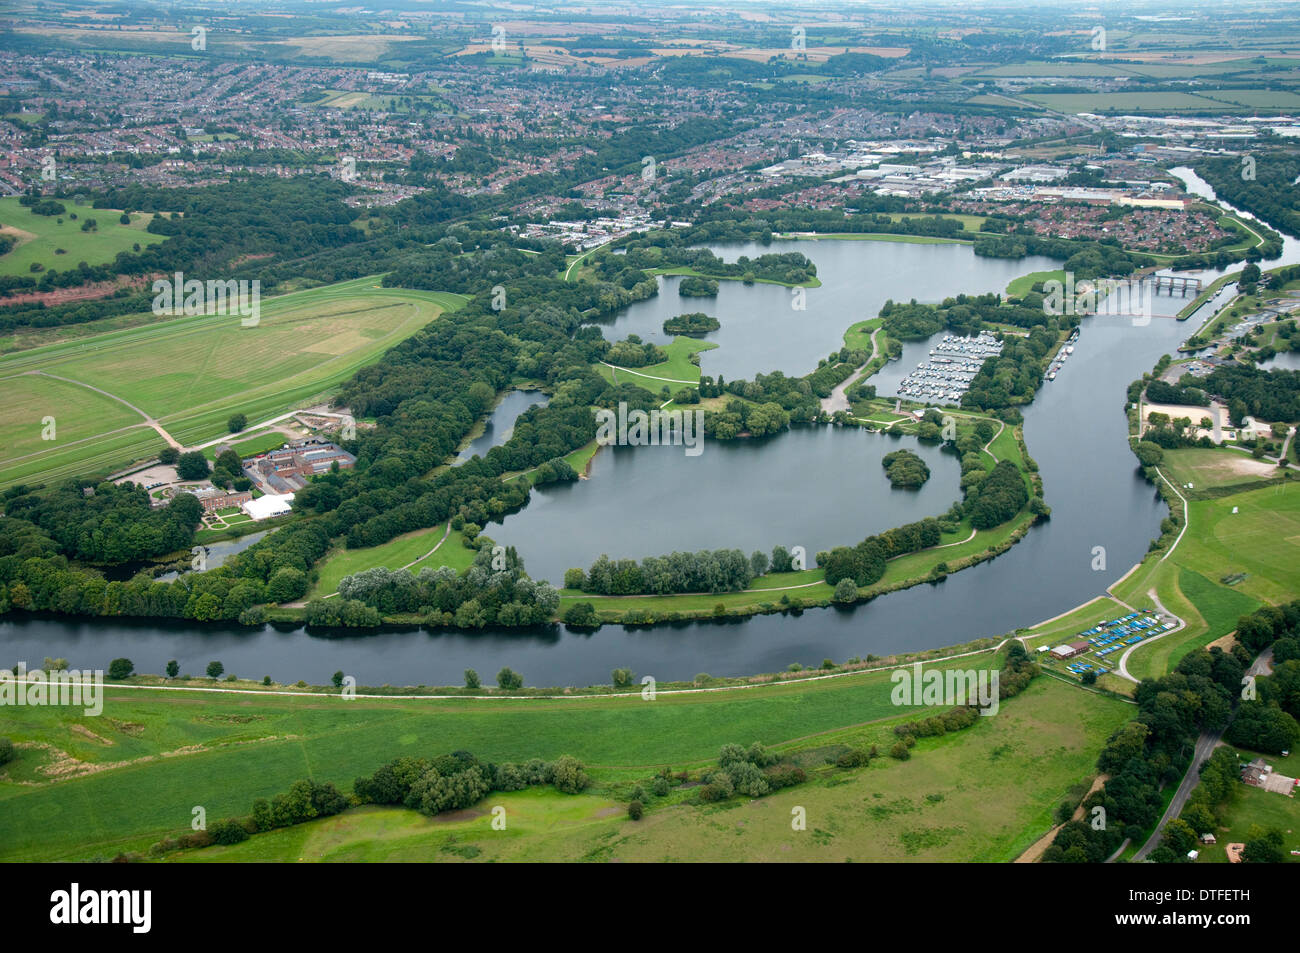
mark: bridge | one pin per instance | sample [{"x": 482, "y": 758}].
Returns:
[{"x": 1177, "y": 283}]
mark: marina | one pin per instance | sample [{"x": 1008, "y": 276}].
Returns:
[{"x": 953, "y": 364}]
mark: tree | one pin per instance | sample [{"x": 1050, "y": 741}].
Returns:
[
  {"x": 568, "y": 775},
  {"x": 1263, "y": 846},
  {"x": 846, "y": 592},
  {"x": 337, "y": 679},
  {"x": 168, "y": 455},
  {"x": 622, "y": 677},
  {"x": 192, "y": 465},
  {"x": 226, "y": 832},
  {"x": 1180, "y": 837},
  {"x": 215, "y": 669},
  {"x": 635, "y": 810},
  {"x": 581, "y": 615},
  {"x": 286, "y": 584},
  {"x": 120, "y": 668},
  {"x": 6, "y": 750},
  {"x": 509, "y": 680},
  {"x": 236, "y": 423},
  {"x": 471, "y": 679},
  {"x": 758, "y": 563},
  {"x": 1149, "y": 453},
  {"x": 173, "y": 668}
]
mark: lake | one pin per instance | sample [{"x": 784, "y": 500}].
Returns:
[{"x": 763, "y": 332}]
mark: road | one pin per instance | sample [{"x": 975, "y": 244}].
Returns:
[
  {"x": 1122, "y": 669},
  {"x": 1205, "y": 746},
  {"x": 838, "y": 400}
]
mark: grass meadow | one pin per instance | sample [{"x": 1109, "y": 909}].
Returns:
[
  {"x": 192, "y": 373},
  {"x": 41, "y": 237},
  {"x": 132, "y": 776}
]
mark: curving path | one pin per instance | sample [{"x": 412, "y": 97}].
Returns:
[
  {"x": 148, "y": 420},
  {"x": 838, "y": 400}
]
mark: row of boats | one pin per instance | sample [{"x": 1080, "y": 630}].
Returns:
[{"x": 1059, "y": 361}]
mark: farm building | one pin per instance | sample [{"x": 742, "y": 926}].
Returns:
[{"x": 1071, "y": 650}]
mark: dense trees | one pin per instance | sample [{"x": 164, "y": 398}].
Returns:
[
  {"x": 482, "y": 596},
  {"x": 998, "y": 497},
  {"x": 1265, "y": 395},
  {"x": 904, "y": 468},
  {"x": 669, "y": 250},
  {"x": 1014, "y": 376},
  {"x": 693, "y": 286},
  {"x": 752, "y": 771},
  {"x": 1270, "y": 193},
  {"x": 1161, "y": 392},
  {"x": 695, "y": 324},
  {"x": 34, "y": 576},
  {"x": 1090, "y": 260},
  {"x": 192, "y": 465},
  {"x": 633, "y": 352},
  {"x": 108, "y": 523},
  {"x": 864, "y": 563},
  {"x": 458, "y": 780},
  {"x": 723, "y": 570}
]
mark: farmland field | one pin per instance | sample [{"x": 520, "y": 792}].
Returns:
[{"x": 192, "y": 373}]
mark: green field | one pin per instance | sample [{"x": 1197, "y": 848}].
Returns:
[
  {"x": 673, "y": 373},
  {"x": 1019, "y": 287},
  {"x": 1214, "y": 471},
  {"x": 118, "y": 791},
  {"x": 192, "y": 373},
  {"x": 1128, "y": 102},
  {"x": 396, "y": 553},
  {"x": 41, "y": 236},
  {"x": 1262, "y": 540},
  {"x": 924, "y": 809},
  {"x": 252, "y": 446}
]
